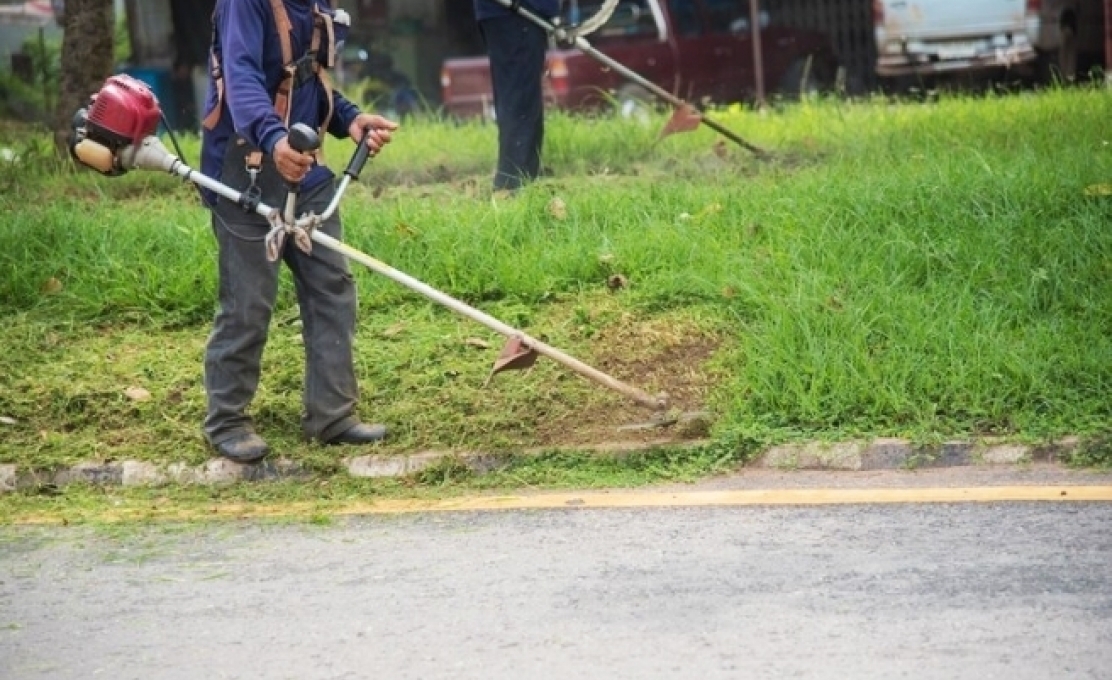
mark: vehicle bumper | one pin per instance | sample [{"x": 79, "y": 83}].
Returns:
[
  {"x": 915, "y": 62},
  {"x": 471, "y": 107}
]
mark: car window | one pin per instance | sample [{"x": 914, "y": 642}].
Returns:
[{"x": 686, "y": 17}]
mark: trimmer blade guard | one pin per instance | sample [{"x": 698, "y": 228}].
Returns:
[
  {"x": 515, "y": 355},
  {"x": 684, "y": 119}
]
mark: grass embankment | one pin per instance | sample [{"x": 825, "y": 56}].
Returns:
[{"x": 926, "y": 271}]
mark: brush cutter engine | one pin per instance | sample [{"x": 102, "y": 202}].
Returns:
[{"x": 122, "y": 114}]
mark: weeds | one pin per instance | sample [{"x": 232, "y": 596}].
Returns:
[{"x": 1095, "y": 452}]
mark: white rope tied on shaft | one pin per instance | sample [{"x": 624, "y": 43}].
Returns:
[
  {"x": 595, "y": 22},
  {"x": 569, "y": 34},
  {"x": 302, "y": 232}
]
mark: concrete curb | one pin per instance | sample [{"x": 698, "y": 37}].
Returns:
[
  {"x": 900, "y": 454},
  {"x": 878, "y": 454}
]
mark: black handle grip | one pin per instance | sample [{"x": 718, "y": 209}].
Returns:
[
  {"x": 359, "y": 158},
  {"x": 303, "y": 138}
]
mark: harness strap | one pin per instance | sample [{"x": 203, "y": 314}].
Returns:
[
  {"x": 217, "y": 75},
  {"x": 285, "y": 86},
  {"x": 322, "y": 22}
]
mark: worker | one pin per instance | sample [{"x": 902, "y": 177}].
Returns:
[
  {"x": 251, "y": 105},
  {"x": 516, "y": 48}
]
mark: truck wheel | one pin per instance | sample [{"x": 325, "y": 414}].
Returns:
[
  {"x": 633, "y": 102},
  {"x": 1067, "y": 52},
  {"x": 806, "y": 77}
]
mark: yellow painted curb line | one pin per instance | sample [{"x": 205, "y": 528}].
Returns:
[
  {"x": 603, "y": 500},
  {"x": 749, "y": 497}
]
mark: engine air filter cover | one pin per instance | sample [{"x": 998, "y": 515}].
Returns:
[{"x": 124, "y": 111}]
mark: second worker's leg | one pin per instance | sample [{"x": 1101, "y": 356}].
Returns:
[{"x": 517, "y": 60}]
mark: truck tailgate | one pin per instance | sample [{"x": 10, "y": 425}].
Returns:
[
  {"x": 949, "y": 19},
  {"x": 465, "y": 86},
  {"x": 938, "y": 36}
]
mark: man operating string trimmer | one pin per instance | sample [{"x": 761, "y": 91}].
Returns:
[{"x": 268, "y": 74}]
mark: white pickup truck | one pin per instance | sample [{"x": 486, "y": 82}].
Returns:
[{"x": 923, "y": 37}]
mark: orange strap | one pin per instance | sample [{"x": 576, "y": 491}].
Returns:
[
  {"x": 217, "y": 75},
  {"x": 285, "y": 86}
]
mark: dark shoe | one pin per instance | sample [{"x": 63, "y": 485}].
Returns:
[
  {"x": 360, "y": 433},
  {"x": 246, "y": 448}
]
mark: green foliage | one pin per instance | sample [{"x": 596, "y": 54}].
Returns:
[
  {"x": 1094, "y": 452},
  {"x": 121, "y": 41},
  {"x": 32, "y": 100}
]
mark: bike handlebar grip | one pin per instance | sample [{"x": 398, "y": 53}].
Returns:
[
  {"x": 359, "y": 158},
  {"x": 303, "y": 138}
]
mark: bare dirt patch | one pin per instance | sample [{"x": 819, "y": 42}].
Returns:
[{"x": 656, "y": 356}]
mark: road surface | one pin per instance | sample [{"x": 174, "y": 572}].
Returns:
[{"x": 974, "y": 590}]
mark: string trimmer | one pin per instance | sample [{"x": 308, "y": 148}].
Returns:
[
  {"x": 116, "y": 133},
  {"x": 685, "y": 116}
]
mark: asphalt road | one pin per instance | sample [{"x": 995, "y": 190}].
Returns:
[{"x": 918, "y": 591}]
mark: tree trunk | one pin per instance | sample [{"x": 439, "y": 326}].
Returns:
[{"x": 87, "y": 57}]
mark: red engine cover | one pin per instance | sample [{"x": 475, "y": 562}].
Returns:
[{"x": 125, "y": 110}]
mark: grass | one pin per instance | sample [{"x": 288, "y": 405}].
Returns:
[{"x": 919, "y": 270}]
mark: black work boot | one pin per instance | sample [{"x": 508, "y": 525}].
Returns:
[
  {"x": 246, "y": 448},
  {"x": 360, "y": 433}
]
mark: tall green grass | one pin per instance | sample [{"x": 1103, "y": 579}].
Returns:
[{"x": 924, "y": 269}]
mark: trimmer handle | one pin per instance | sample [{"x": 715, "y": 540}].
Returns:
[
  {"x": 303, "y": 139},
  {"x": 359, "y": 158}
]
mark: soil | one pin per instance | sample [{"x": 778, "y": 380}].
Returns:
[{"x": 674, "y": 364}]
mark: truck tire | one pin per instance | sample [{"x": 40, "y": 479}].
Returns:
[
  {"x": 806, "y": 77},
  {"x": 633, "y": 102},
  {"x": 1060, "y": 66},
  {"x": 1067, "y": 51}
]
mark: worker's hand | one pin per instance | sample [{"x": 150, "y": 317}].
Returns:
[
  {"x": 381, "y": 130},
  {"x": 292, "y": 165}
]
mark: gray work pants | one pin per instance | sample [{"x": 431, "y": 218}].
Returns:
[{"x": 248, "y": 288}]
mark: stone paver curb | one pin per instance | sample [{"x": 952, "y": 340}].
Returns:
[
  {"x": 877, "y": 454},
  {"x": 9, "y": 478},
  {"x": 898, "y": 454}
]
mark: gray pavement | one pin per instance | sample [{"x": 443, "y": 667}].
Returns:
[
  {"x": 914, "y": 591},
  {"x": 1037, "y": 474}
]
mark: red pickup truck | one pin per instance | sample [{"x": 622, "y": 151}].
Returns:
[{"x": 700, "y": 50}]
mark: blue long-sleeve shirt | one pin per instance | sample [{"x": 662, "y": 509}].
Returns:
[
  {"x": 247, "y": 45},
  {"x": 489, "y": 9}
]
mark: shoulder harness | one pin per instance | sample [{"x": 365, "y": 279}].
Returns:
[{"x": 295, "y": 71}]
